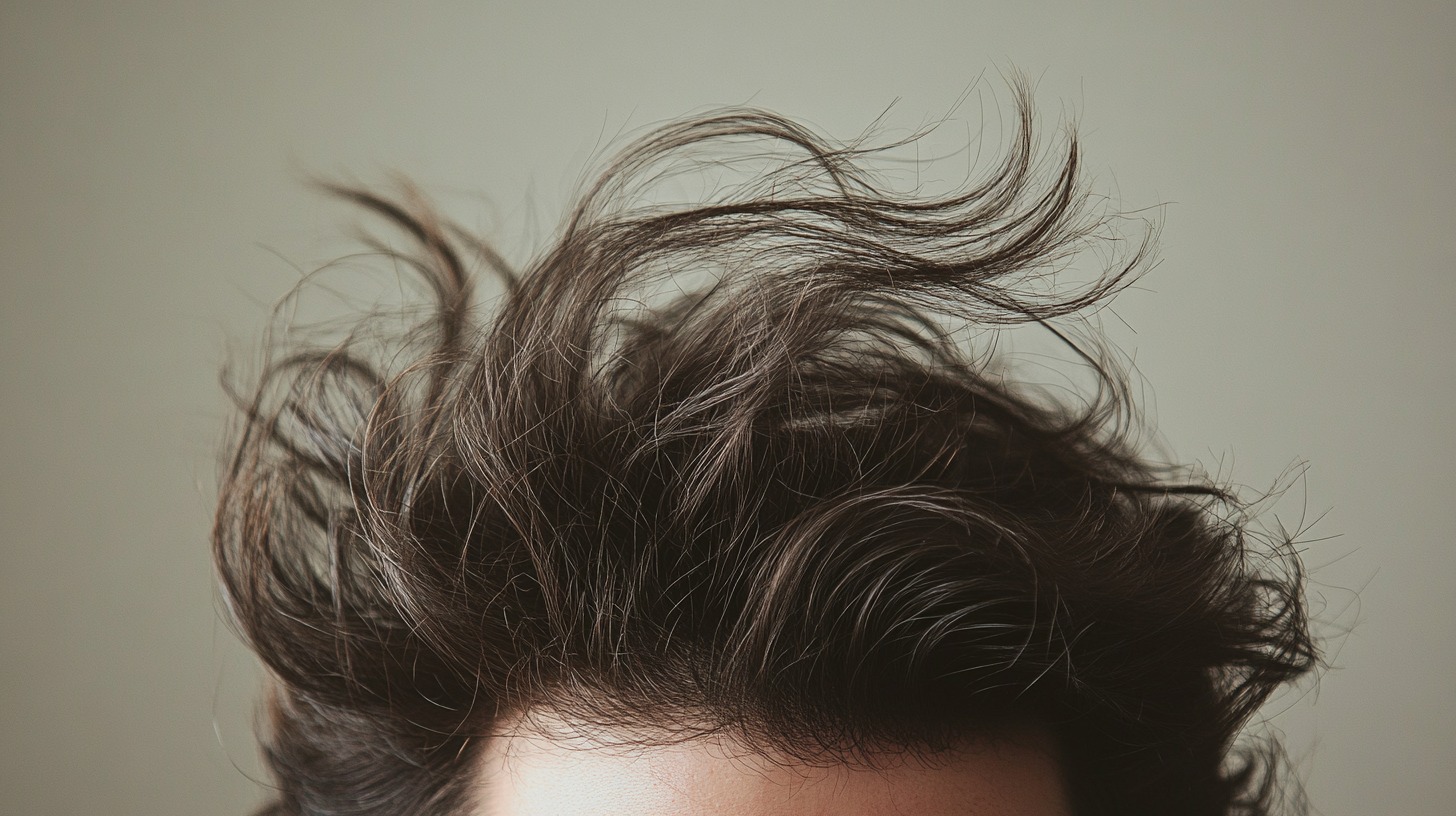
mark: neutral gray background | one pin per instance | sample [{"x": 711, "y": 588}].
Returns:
[{"x": 149, "y": 164}]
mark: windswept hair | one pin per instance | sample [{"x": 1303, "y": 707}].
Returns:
[{"x": 720, "y": 466}]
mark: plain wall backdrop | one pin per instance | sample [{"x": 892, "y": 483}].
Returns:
[{"x": 150, "y": 165}]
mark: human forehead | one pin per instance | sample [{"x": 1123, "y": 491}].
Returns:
[{"x": 526, "y": 772}]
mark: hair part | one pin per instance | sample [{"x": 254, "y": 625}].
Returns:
[{"x": 783, "y": 503}]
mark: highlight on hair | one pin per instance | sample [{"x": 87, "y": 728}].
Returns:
[{"x": 778, "y": 500}]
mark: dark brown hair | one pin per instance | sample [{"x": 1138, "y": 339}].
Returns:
[{"x": 778, "y": 498}]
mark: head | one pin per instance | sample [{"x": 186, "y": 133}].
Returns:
[{"x": 713, "y": 506}]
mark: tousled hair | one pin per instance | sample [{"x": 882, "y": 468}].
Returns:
[{"x": 782, "y": 501}]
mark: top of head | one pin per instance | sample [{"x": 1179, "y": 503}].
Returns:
[{"x": 783, "y": 505}]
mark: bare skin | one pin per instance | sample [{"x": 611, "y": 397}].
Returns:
[{"x": 526, "y": 772}]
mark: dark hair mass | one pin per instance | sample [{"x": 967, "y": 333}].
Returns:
[{"x": 779, "y": 500}]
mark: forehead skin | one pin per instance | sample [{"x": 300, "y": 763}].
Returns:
[{"x": 525, "y": 773}]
